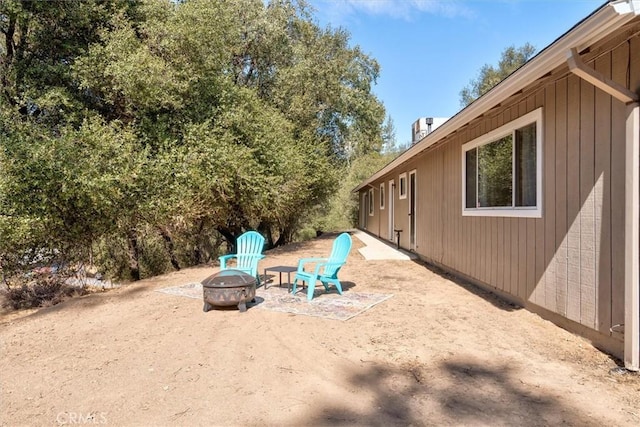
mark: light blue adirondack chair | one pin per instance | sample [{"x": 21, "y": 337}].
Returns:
[
  {"x": 325, "y": 269},
  {"x": 249, "y": 247}
]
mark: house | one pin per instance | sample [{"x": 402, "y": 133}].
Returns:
[{"x": 533, "y": 190}]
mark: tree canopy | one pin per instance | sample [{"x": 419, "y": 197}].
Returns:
[
  {"x": 511, "y": 59},
  {"x": 141, "y": 134}
]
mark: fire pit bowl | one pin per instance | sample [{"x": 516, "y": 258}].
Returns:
[{"x": 227, "y": 288}]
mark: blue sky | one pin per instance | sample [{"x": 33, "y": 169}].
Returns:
[{"x": 428, "y": 50}]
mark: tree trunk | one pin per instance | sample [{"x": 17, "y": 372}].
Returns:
[
  {"x": 134, "y": 255},
  {"x": 168, "y": 243},
  {"x": 265, "y": 230},
  {"x": 283, "y": 238},
  {"x": 197, "y": 250},
  {"x": 230, "y": 237},
  {"x": 8, "y": 60}
]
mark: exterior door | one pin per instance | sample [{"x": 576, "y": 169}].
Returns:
[
  {"x": 412, "y": 209},
  {"x": 392, "y": 187},
  {"x": 365, "y": 209}
]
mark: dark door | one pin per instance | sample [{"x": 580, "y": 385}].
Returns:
[{"x": 412, "y": 209}]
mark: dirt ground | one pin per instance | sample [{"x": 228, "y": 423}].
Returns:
[{"x": 436, "y": 353}]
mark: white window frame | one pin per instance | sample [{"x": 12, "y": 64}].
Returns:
[
  {"x": 382, "y": 196},
  {"x": 371, "y": 204},
  {"x": 402, "y": 178},
  {"x": 507, "y": 129}
]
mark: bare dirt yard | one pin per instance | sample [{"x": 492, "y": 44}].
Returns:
[{"x": 438, "y": 352}]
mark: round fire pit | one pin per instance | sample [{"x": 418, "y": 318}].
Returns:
[{"x": 227, "y": 288}]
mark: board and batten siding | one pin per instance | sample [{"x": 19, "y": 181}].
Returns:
[{"x": 571, "y": 260}]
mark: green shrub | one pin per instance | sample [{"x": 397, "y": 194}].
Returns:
[
  {"x": 306, "y": 233},
  {"x": 154, "y": 259}
]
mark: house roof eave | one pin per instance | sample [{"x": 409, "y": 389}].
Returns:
[{"x": 596, "y": 26}]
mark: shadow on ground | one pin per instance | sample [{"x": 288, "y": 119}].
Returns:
[
  {"x": 86, "y": 301},
  {"x": 456, "y": 392},
  {"x": 486, "y": 295}
]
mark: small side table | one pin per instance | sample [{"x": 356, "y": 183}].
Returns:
[{"x": 281, "y": 269}]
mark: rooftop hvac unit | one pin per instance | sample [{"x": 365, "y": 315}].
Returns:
[{"x": 421, "y": 128}]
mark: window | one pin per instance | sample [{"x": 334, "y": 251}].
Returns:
[
  {"x": 402, "y": 182},
  {"x": 370, "y": 201},
  {"x": 502, "y": 170},
  {"x": 382, "y": 196}
]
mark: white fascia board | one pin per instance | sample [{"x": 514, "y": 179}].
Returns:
[{"x": 595, "y": 27}]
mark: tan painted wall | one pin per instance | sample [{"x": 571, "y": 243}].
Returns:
[{"x": 570, "y": 261}]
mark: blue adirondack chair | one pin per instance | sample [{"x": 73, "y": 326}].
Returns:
[
  {"x": 249, "y": 247},
  {"x": 325, "y": 269}
]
